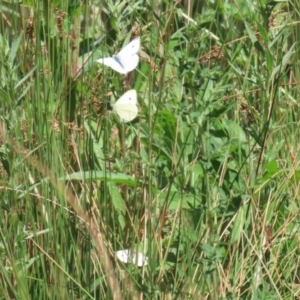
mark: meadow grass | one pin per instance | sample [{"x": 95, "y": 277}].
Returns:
[{"x": 204, "y": 182}]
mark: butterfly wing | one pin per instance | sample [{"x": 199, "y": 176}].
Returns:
[
  {"x": 123, "y": 255},
  {"x": 132, "y": 48},
  {"x": 128, "y": 57},
  {"x": 128, "y": 97},
  {"x": 128, "y": 63},
  {"x": 126, "y": 106},
  {"x": 126, "y": 112},
  {"x": 127, "y": 256},
  {"x": 139, "y": 259},
  {"x": 126, "y": 60},
  {"x": 113, "y": 63}
]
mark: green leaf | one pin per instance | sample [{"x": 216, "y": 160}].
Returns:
[
  {"x": 14, "y": 48},
  {"x": 118, "y": 203},
  {"x": 272, "y": 167}
]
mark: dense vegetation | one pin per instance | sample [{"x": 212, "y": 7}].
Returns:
[{"x": 204, "y": 182}]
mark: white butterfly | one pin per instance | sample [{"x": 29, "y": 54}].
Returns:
[
  {"x": 126, "y": 106},
  {"x": 128, "y": 256},
  {"x": 126, "y": 60}
]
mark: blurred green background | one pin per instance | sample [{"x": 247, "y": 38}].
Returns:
[{"x": 204, "y": 182}]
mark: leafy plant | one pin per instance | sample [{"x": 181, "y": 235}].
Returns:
[{"x": 203, "y": 184}]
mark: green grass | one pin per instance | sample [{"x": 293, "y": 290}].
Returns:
[{"x": 204, "y": 181}]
